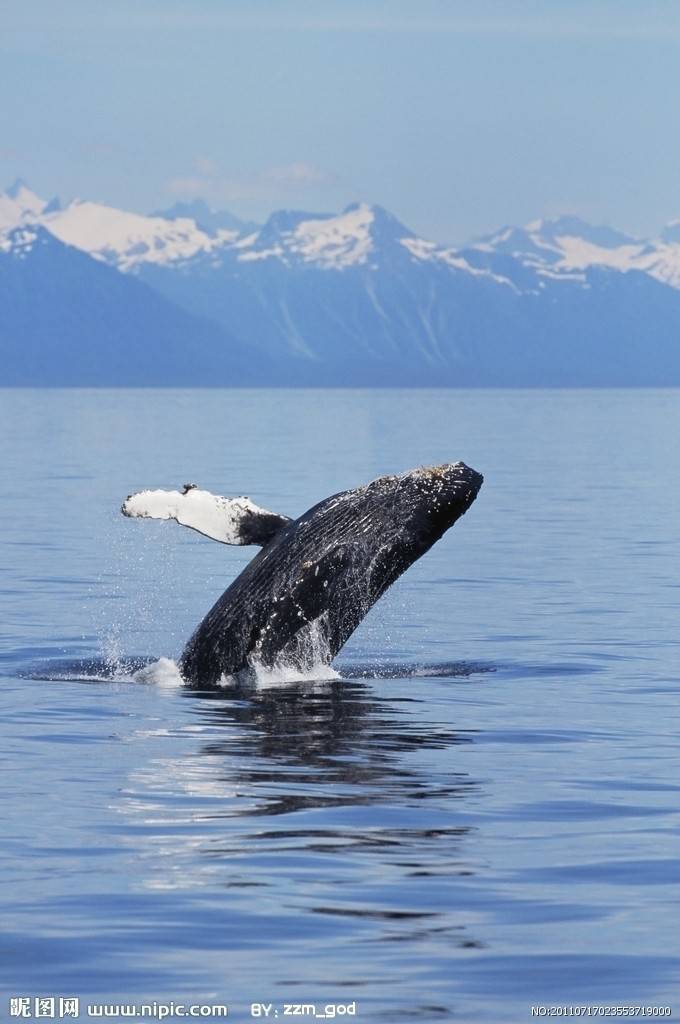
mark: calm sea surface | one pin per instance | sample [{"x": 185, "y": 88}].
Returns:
[{"x": 481, "y": 815}]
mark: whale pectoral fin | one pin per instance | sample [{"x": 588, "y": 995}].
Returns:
[{"x": 227, "y": 520}]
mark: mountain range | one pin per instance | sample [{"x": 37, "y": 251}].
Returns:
[{"x": 94, "y": 295}]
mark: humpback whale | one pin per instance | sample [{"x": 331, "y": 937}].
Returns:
[{"x": 316, "y": 577}]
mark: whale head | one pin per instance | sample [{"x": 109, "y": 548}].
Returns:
[
  {"x": 399, "y": 516},
  {"x": 430, "y": 499}
]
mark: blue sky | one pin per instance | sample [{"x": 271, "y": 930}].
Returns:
[{"x": 458, "y": 116}]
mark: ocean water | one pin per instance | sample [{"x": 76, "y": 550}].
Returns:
[{"x": 481, "y": 814}]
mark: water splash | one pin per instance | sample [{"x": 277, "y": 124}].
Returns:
[
  {"x": 87, "y": 670},
  {"x": 164, "y": 673},
  {"x": 111, "y": 651},
  {"x": 307, "y": 658},
  {"x": 258, "y": 676}
]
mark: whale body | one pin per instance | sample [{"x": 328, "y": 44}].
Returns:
[{"x": 303, "y": 595}]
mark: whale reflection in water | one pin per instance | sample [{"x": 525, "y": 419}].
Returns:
[{"x": 274, "y": 776}]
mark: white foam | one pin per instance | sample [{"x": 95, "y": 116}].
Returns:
[
  {"x": 306, "y": 660},
  {"x": 281, "y": 674},
  {"x": 164, "y": 673}
]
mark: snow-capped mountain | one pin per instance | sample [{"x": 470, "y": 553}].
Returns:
[
  {"x": 117, "y": 237},
  {"x": 569, "y": 246},
  {"x": 126, "y": 240},
  {"x": 351, "y": 294},
  {"x": 359, "y": 234},
  {"x": 18, "y": 204},
  {"x": 363, "y": 235},
  {"x": 358, "y": 298},
  {"x": 348, "y": 298}
]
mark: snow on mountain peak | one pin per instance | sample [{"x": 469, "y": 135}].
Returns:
[
  {"x": 566, "y": 247},
  {"x": 545, "y": 240},
  {"x": 362, "y": 235},
  {"x": 570, "y": 226},
  {"x": 19, "y": 204},
  {"x": 341, "y": 241},
  {"x": 22, "y": 194},
  {"x": 331, "y": 241},
  {"x": 17, "y": 186},
  {"x": 384, "y": 225},
  {"x": 127, "y": 239},
  {"x": 18, "y": 242}
]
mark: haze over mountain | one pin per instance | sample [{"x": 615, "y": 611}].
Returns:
[
  {"x": 205, "y": 218},
  {"x": 68, "y": 319},
  {"x": 90, "y": 293}
]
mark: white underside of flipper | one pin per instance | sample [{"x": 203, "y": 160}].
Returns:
[{"x": 223, "y": 519}]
